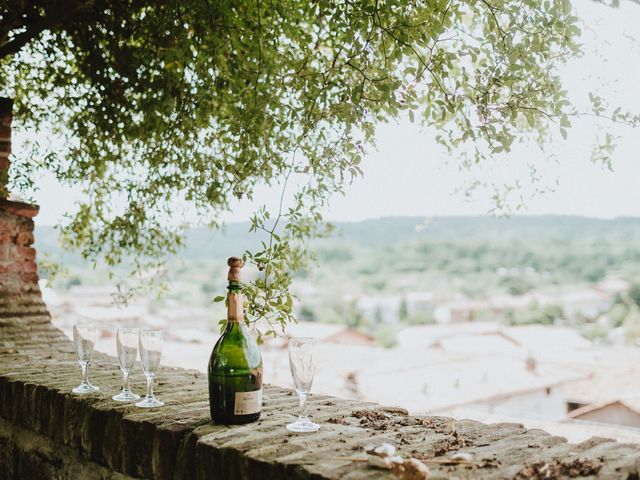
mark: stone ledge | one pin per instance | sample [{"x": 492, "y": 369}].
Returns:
[
  {"x": 38, "y": 370},
  {"x": 19, "y": 208}
]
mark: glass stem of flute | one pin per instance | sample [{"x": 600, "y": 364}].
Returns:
[
  {"x": 303, "y": 405},
  {"x": 85, "y": 372},
  {"x": 126, "y": 373},
  {"x": 149, "y": 386}
]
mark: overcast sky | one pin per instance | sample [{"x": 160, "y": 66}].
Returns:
[{"x": 410, "y": 175}]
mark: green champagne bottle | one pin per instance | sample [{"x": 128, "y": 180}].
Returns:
[{"x": 235, "y": 366}]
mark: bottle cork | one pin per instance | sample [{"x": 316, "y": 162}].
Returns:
[{"x": 235, "y": 264}]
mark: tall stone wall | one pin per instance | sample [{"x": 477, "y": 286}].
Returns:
[
  {"x": 23, "y": 318},
  {"x": 20, "y": 298}
]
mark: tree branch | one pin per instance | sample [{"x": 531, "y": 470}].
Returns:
[
  {"x": 34, "y": 21},
  {"x": 12, "y": 47}
]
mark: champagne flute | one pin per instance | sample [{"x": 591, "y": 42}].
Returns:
[
  {"x": 127, "y": 343},
  {"x": 301, "y": 351},
  {"x": 150, "y": 353},
  {"x": 85, "y": 335}
]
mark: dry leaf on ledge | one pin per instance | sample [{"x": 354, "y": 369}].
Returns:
[{"x": 413, "y": 469}]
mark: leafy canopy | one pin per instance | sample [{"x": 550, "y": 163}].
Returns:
[{"x": 150, "y": 105}]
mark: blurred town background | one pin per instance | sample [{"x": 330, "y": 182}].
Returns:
[{"x": 534, "y": 319}]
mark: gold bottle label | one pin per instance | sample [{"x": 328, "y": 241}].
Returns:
[{"x": 247, "y": 403}]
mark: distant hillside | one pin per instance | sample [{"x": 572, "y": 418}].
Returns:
[
  {"x": 234, "y": 238},
  {"x": 475, "y": 256},
  {"x": 394, "y": 230}
]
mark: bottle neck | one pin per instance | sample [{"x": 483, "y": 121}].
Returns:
[{"x": 235, "y": 311}]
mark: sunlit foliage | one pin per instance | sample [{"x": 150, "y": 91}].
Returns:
[{"x": 150, "y": 106}]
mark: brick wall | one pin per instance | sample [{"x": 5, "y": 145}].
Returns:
[{"x": 20, "y": 298}]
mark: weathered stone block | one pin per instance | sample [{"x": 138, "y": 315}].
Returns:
[
  {"x": 24, "y": 253},
  {"x": 25, "y": 238},
  {"x": 19, "y": 209},
  {"x": 5, "y": 133}
]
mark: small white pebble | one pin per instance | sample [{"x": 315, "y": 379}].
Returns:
[
  {"x": 384, "y": 450},
  {"x": 462, "y": 456}
]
